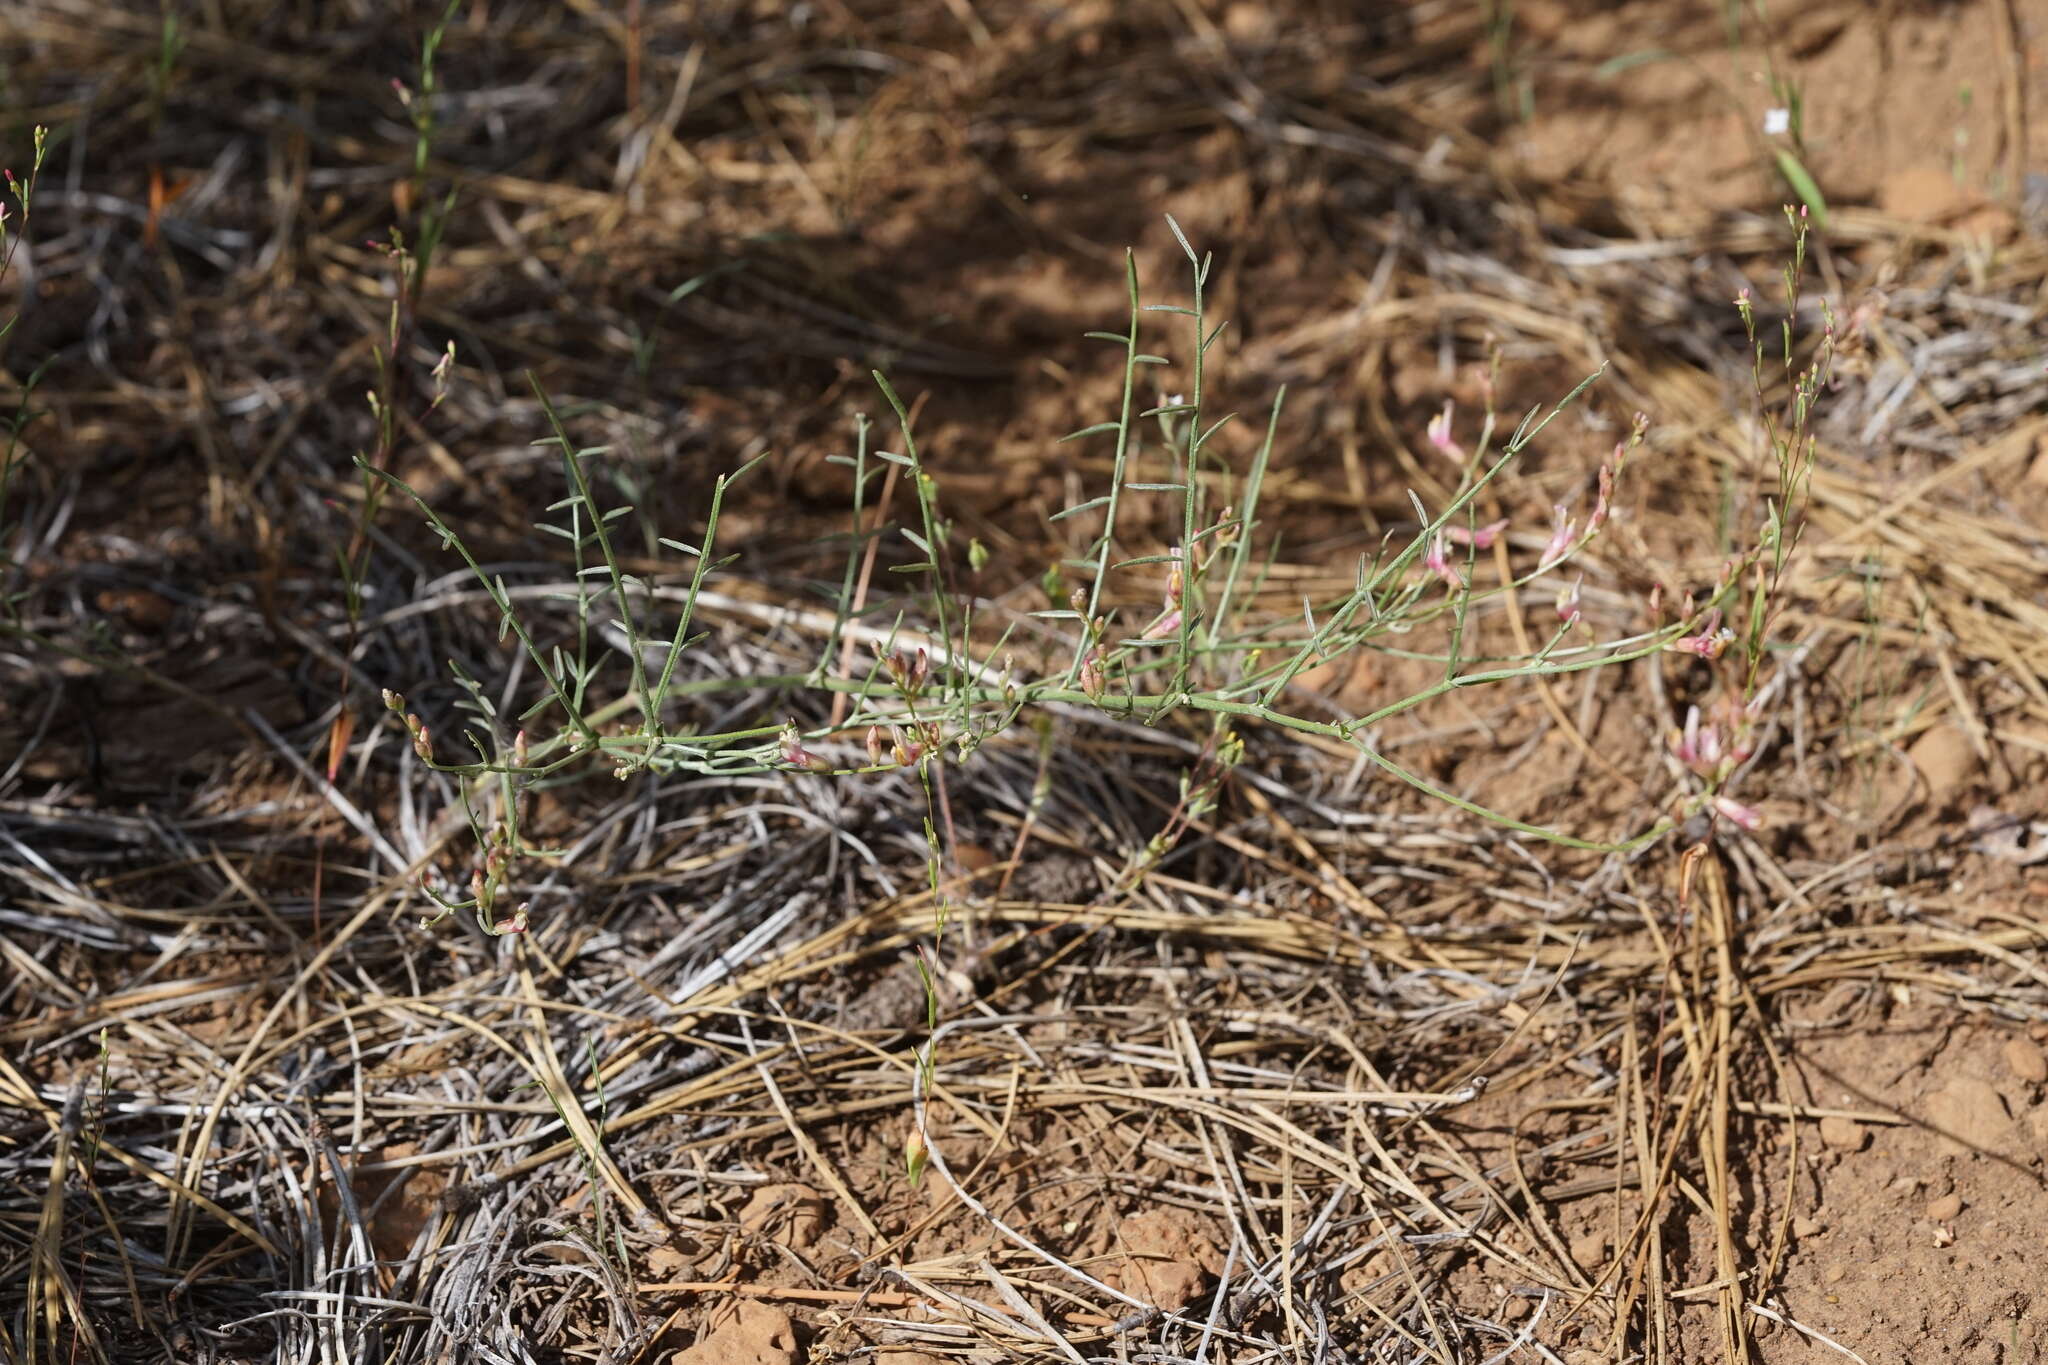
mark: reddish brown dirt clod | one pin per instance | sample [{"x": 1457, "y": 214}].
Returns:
[
  {"x": 1169, "y": 1257},
  {"x": 791, "y": 1214},
  {"x": 1946, "y": 760},
  {"x": 2025, "y": 1059},
  {"x": 1842, "y": 1134},
  {"x": 755, "y": 1334},
  {"x": 1970, "y": 1116}
]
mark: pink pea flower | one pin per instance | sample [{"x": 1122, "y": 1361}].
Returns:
[
  {"x": 1440, "y": 434},
  {"x": 797, "y": 756},
  {"x": 1738, "y": 721},
  {"x": 1562, "y": 526},
  {"x": 1164, "y": 626},
  {"x": 1748, "y": 817},
  {"x": 1437, "y": 560},
  {"x": 1478, "y": 537},
  {"x": 905, "y": 751},
  {"x": 1686, "y": 743},
  {"x": 1712, "y": 641},
  {"x": 1699, "y": 747}
]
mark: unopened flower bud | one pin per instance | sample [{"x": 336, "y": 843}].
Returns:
[
  {"x": 1568, "y": 605},
  {"x": 1226, "y": 522},
  {"x": 1600, "y": 504},
  {"x": 1092, "y": 681},
  {"x": 915, "y": 1154}
]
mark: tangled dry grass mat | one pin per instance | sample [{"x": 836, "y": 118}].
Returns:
[{"x": 1276, "y": 1060}]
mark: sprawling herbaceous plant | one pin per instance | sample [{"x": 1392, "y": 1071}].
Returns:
[{"x": 947, "y": 675}]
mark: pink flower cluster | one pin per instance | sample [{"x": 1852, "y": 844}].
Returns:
[{"x": 1714, "y": 746}]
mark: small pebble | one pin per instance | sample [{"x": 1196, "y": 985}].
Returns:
[
  {"x": 2024, "y": 1059},
  {"x": 1807, "y": 1227},
  {"x": 1843, "y": 1134},
  {"x": 1836, "y": 1274},
  {"x": 1944, "y": 1208}
]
